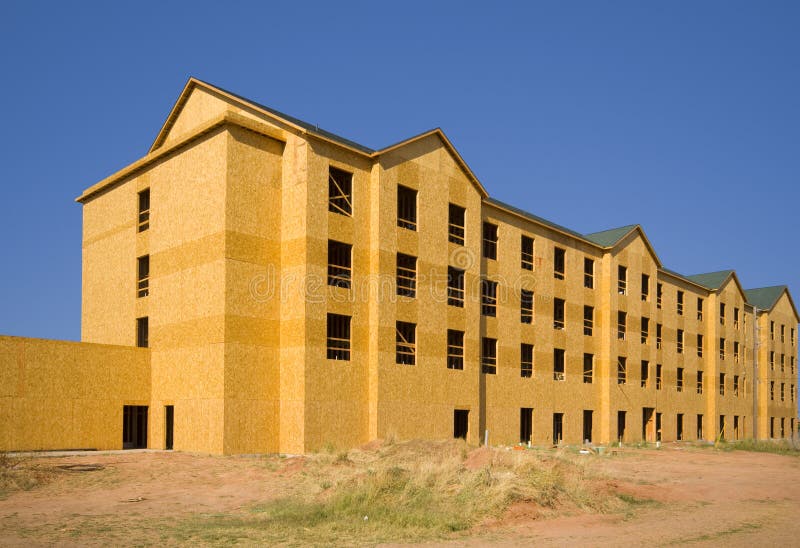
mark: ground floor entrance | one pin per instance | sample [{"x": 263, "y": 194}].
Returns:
[{"x": 134, "y": 427}]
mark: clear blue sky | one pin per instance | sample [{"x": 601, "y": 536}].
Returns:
[{"x": 681, "y": 116}]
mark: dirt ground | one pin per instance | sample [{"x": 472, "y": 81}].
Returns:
[{"x": 682, "y": 495}]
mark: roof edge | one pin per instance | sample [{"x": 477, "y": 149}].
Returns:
[
  {"x": 448, "y": 145},
  {"x": 228, "y": 118}
]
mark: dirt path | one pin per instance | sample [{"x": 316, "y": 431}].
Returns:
[
  {"x": 681, "y": 496},
  {"x": 701, "y": 497}
]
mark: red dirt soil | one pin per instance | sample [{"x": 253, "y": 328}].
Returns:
[{"x": 686, "y": 496}]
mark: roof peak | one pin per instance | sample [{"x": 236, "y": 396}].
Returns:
[{"x": 608, "y": 238}]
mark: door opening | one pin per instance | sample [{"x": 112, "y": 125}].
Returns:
[
  {"x": 587, "y": 426},
  {"x": 680, "y": 427},
  {"x": 648, "y": 424},
  {"x": 134, "y": 427},
  {"x": 620, "y": 426},
  {"x": 169, "y": 418},
  {"x": 658, "y": 426},
  {"x": 460, "y": 423},
  {"x": 525, "y": 424},
  {"x": 558, "y": 428}
]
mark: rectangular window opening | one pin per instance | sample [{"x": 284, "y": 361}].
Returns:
[
  {"x": 526, "y": 252},
  {"x": 455, "y": 349},
  {"x": 526, "y": 306},
  {"x": 490, "y": 241},
  {"x": 558, "y": 313},
  {"x": 406, "y": 275},
  {"x": 488, "y": 298},
  {"x": 559, "y": 263},
  {"x": 489, "y": 356},
  {"x": 455, "y": 287},
  {"x": 339, "y": 263},
  {"x": 588, "y": 368},
  {"x": 144, "y": 210},
  {"x": 588, "y": 320},
  {"x": 559, "y": 373},
  {"x": 142, "y": 332},
  {"x": 340, "y": 191},
  {"x": 526, "y": 360},
  {"x": 143, "y": 276},
  {"x": 406, "y": 208},
  {"x": 405, "y": 343},
  {"x": 338, "y": 337},
  {"x": 588, "y": 273},
  {"x": 456, "y": 227},
  {"x": 622, "y": 370},
  {"x": 622, "y": 280},
  {"x": 645, "y": 287}
]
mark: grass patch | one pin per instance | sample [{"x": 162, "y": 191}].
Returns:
[
  {"x": 408, "y": 491},
  {"x": 20, "y": 474},
  {"x": 778, "y": 447}
]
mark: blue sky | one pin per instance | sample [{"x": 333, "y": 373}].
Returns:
[{"x": 681, "y": 116}]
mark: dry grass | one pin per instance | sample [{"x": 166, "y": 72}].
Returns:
[
  {"x": 20, "y": 474},
  {"x": 778, "y": 447},
  {"x": 408, "y": 492}
]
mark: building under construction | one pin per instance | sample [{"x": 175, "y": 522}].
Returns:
[{"x": 255, "y": 284}]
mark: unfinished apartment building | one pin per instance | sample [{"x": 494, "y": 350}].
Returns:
[{"x": 255, "y": 284}]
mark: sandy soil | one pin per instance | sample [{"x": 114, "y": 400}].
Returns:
[
  {"x": 701, "y": 497},
  {"x": 686, "y": 496}
]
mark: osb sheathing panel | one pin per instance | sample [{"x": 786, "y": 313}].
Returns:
[
  {"x": 293, "y": 260},
  {"x": 57, "y": 394},
  {"x": 334, "y": 388},
  {"x": 508, "y": 391},
  {"x": 200, "y": 106},
  {"x": 729, "y": 404},
  {"x": 109, "y": 267},
  {"x": 252, "y": 293},
  {"x": 781, "y": 314},
  {"x": 418, "y": 400}
]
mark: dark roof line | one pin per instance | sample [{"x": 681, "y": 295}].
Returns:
[
  {"x": 605, "y": 238},
  {"x": 536, "y": 218},
  {"x": 305, "y": 125}
]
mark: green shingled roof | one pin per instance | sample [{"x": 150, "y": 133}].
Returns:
[
  {"x": 764, "y": 297},
  {"x": 711, "y": 280},
  {"x": 607, "y": 238}
]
